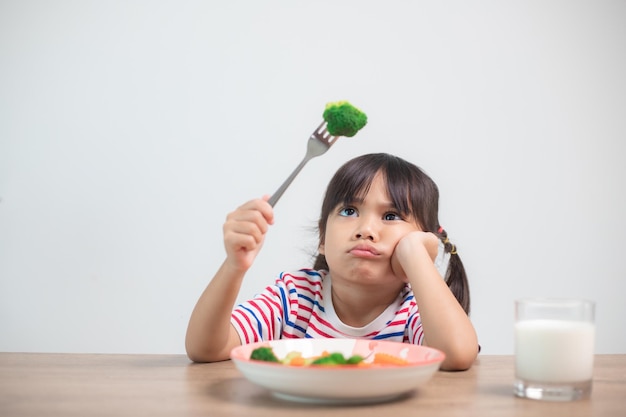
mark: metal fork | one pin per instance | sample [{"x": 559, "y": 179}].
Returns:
[{"x": 319, "y": 142}]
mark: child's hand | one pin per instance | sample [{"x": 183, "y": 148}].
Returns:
[
  {"x": 411, "y": 248},
  {"x": 244, "y": 232}
]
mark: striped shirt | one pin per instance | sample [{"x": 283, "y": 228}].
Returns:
[{"x": 299, "y": 305}]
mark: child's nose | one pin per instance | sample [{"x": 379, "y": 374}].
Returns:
[{"x": 366, "y": 230}]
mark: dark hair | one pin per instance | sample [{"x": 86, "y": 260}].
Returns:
[{"x": 412, "y": 192}]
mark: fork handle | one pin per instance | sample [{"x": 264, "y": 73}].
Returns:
[{"x": 276, "y": 196}]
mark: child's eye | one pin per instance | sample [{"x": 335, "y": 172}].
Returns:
[
  {"x": 347, "y": 211},
  {"x": 392, "y": 216}
]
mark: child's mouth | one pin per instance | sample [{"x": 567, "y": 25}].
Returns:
[{"x": 364, "y": 251}]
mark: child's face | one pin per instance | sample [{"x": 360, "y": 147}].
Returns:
[{"x": 361, "y": 237}]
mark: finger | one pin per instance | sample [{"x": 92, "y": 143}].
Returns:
[
  {"x": 267, "y": 209},
  {"x": 256, "y": 230},
  {"x": 242, "y": 220},
  {"x": 261, "y": 205},
  {"x": 241, "y": 241}
]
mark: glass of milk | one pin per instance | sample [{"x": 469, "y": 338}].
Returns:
[{"x": 554, "y": 348}]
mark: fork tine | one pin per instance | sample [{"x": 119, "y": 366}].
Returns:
[
  {"x": 331, "y": 140},
  {"x": 322, "y": 134}
]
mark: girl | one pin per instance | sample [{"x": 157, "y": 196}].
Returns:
[{"x": 382, "y": 253}]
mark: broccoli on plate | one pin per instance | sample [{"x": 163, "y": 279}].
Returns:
[{"x": 264, "y": 353}]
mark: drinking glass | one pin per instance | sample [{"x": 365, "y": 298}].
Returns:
[{"x": 554, "y": 348}]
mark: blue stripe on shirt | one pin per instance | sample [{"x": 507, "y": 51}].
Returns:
[
  {"x": 314, "y": 303},
  {"x": 388, "y": 335},
  {"x": 284, "y": 301},
  {"x": 258, "y": 322}
]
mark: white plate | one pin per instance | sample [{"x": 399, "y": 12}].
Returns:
[{"x": 339, "y": 384}]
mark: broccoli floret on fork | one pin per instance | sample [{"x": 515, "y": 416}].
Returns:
[{"x": 343, "y": 119}]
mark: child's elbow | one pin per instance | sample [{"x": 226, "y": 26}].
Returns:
[
  {"x": 203, "y": 354},
  {"x": 460, "y": 360},
  {"x": 196, "y": 355},
  {"x": 200, "y": 354},
  {"x": 204, "y": 357},
  {"x": 457, "y": 364}
]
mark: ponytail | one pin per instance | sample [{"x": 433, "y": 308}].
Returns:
[{"x": 456, "y": 278}]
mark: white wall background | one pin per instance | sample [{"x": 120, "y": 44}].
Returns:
[{"x": 129, "y": 129}]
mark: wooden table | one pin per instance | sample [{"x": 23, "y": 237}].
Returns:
[{"x": 88, "y": 385}]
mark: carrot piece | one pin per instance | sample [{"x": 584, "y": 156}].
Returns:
[
  {"x": 297, "y": 361},
  {"x": 381, "y": 358}
]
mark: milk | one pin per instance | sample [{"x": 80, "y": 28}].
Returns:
[{"x": 549, "y": 350}]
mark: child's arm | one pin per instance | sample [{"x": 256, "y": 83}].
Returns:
[
  {"x": 446, "y": 326},
  {"x": 210, "y": 336}
]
